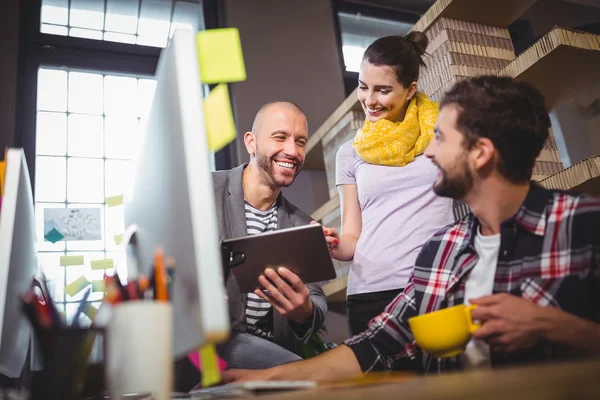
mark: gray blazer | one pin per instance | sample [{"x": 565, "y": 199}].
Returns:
[{"x": 229, "y": 196}]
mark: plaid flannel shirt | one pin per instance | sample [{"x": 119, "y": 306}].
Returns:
[{"x": 549, "y": 254}]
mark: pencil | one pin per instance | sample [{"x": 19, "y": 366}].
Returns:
[{"x": 160, "y": 276}]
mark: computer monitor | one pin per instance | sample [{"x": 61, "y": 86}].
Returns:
[
  {"x": 18, "y": 263},
  {"x": 172, "y": 202}
]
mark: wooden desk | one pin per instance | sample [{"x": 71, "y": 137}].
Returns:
[{"x": 573, "y": 380}]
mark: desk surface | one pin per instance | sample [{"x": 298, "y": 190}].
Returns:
[{"x": 573, "y": 380}]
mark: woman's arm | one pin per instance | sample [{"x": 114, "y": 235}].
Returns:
[{"x": 351, "y": 223}]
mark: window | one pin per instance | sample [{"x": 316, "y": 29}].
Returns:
[
  {"x": 359, "y": 31},
  {"x": 88, "y": 126},
  {"x": 144, "y": 22}
]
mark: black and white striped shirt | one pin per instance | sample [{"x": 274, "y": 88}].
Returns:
[{"x": 258, "y": 311}]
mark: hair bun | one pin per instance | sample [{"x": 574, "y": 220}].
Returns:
[{"x": 419, "y": 40}]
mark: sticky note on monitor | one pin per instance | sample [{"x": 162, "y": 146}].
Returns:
[
  {"x": 220, "y": 127},
  {"x": 220, "y": 57}
]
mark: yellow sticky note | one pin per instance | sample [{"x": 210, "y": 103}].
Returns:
[
  {"x": 90, "y": 311},
  {"x": 66, "y": 261},
  {"x": 76, "y": 286},
  {"x": 118, "y": 239},
  {"x": 220, "y": 127},
  {"x": 220, "y": 56},
  {"x": 98, "y": 286},
  {"x": 211, "y": 375},
  {"x": 113, "y": 201},
  {"x": 102, "y": 264},
  {"x": 2, "y": 176}
]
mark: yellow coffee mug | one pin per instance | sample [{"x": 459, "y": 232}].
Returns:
[{"x": 444, "y": 333}]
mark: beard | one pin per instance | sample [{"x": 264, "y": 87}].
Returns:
[
  {"x": 456, "y": 181},
  {"x": 265, "y": 163}
]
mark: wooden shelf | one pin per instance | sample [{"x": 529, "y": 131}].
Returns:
[
  {"x": 486, "y": 12},
  {"x": 335, "y": 290},
  {"x": 582, "y": 177},
  {"x": 314, "y": 147},
  {"x": 560, "y": 64}
]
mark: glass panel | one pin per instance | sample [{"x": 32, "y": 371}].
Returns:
[
  {"x": 85, "y": 93},
  {"x": 87, "y": 14},
  {"x": 121, "y": 16},
  {"x": 85, "y": 180},
  {"x": 154, "y": 23},
  {"x": 54, "y": 30},
  {"x": 50, "y": 266},
  {"x": 186, "y": 16},
  {"x": 120, "y": 95},
  {"x": 86, "y": 137},
  {"x": 119, "y": 37},
  {"x": 85, "y": 33},
  {"x": 146, "y": 94},
  {"x": 52, "y": 90},
  {"x": 51, "y": 136},
  {"x": 43, "y": 245},
  {"x": 118, "y": 177},
  {"x": 122, "y": 136},
  {"x": 353, "y": 57},
  {"x": 50, "y": 179},
  {"x": 55, "y": 12},
  {"x": 88, "y": 244},
  {"x": 115, "y": 225}
]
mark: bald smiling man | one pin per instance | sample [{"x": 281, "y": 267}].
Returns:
[{"x": 266, "y": 326}]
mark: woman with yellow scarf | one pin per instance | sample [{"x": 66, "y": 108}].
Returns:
[{"x": 385, "y": 182}]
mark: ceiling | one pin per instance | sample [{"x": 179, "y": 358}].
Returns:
[{"x": 415, "y": 6}]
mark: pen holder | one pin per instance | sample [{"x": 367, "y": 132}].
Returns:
[
  {"x": 138, "y": 350},
  {"x": 65, "y": 353}
]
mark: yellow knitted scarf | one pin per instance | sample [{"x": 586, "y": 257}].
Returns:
[{"x": 398, "y": 143}]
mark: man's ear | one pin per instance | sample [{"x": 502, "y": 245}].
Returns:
[
  {"x": 412, "y": 89},
  {"x": 250, "y": 142},
  {"x": 483, "y": 153}
]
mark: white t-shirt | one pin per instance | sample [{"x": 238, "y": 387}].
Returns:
[{"x": 481, "y": 283}]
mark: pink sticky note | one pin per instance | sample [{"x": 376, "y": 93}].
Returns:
[{"x": 194, "y": 358}]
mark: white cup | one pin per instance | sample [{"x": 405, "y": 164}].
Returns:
[{"x": 138, "y": 356}]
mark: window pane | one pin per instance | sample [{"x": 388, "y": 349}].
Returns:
[
  {"x": 51, "y": 136},
  {"x": 86, "y": 137},
  {"x": 85, "y": 180},
  {"x": 155, "y": 20},
  {"x": 186, "y": 16},
  {"x": 50, "y": 266},
  {"x": 120, "y": 95},
  {"x": 122, "y": 136},
  {"x": 55, "y": 12},
  {"x": 353, "y": 57},
  {"x": 52, "y": 90},
  {"x": 118, "y": 177},
  {"x": 54, "y": 30},
  {"x": 119, "y": 37},
  {"x": 85, "y": 33},
  {"x": 85, "y": 93},
  {"x": 87, "y": 14},
  {"x": 88, "y": 244},
  {"x": 43, "y": 245},
  {"x": 121, "y": 16},
  {"x": 146, "y": 94},
  {"x": 115, "y": 225},
  {"x": 50, "y": 179}
]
